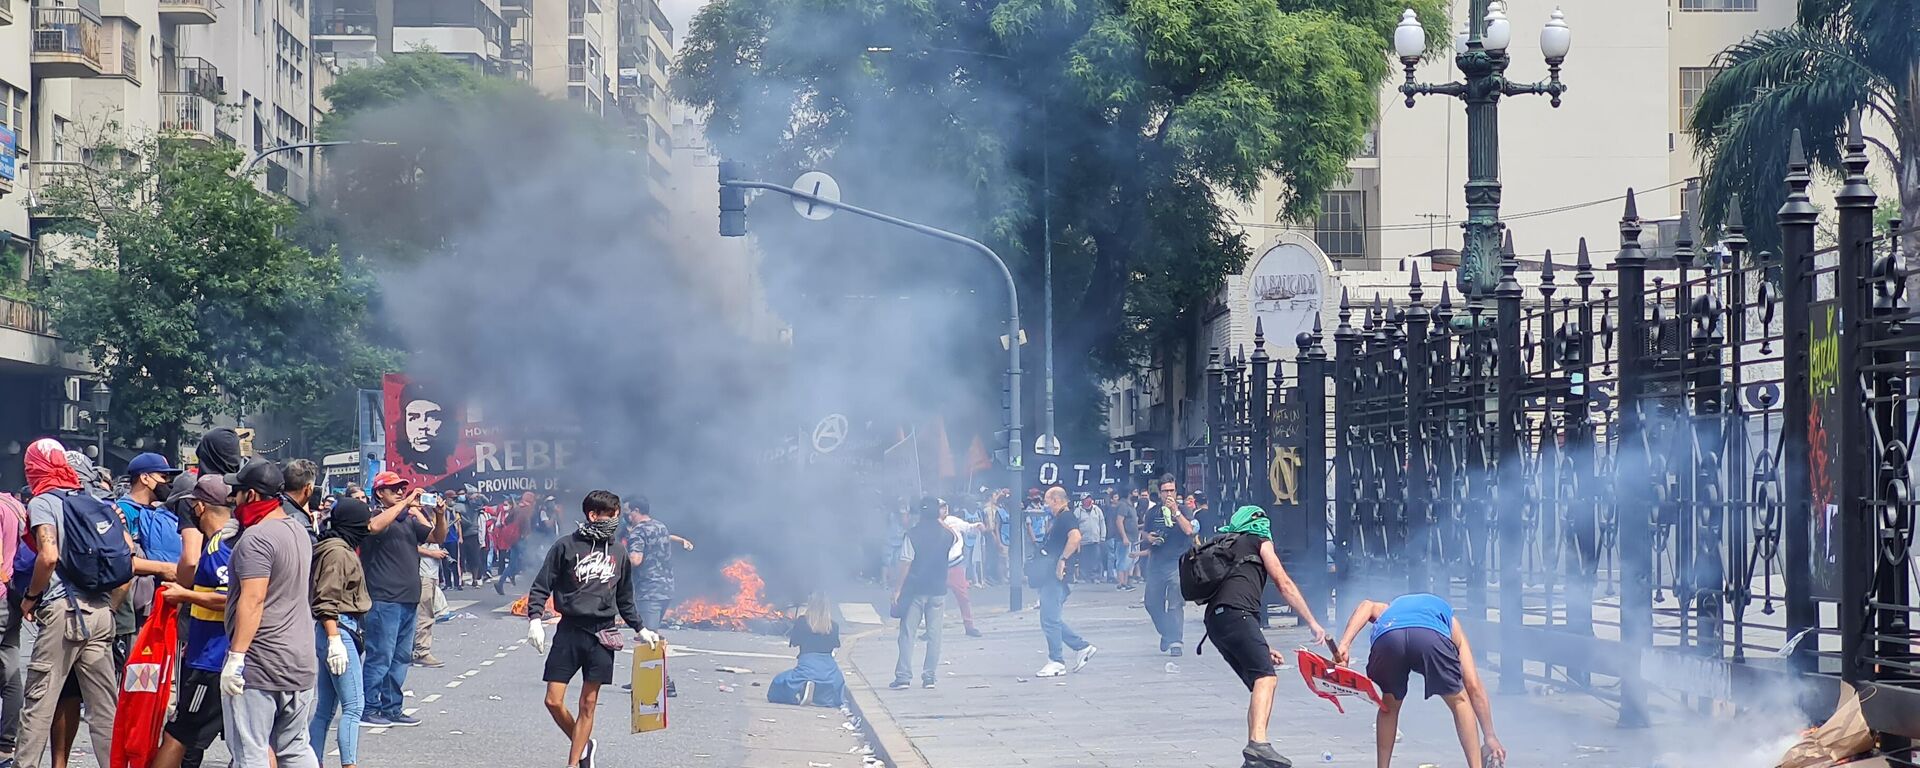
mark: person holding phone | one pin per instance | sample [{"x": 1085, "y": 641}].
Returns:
[{"x": 390, "y": 556}]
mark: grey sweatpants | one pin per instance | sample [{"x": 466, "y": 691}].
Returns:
[{"x": 269, "y": 723}]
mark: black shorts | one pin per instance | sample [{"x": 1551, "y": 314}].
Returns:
[
  {"x": 1401, "y": 652},
  {"x": 576, "y": 649},
  {"x": 1236, "y": 633},
  {"x": 196, "y": 717}
]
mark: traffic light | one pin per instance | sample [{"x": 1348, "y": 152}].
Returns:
[{"x": 733, "y": 202}]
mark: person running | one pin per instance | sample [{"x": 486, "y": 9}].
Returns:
[
  {"x": 197, "y": 718},
  {"x": 589, "y": 585},
  {"x": 1166, "y": 534},
  {"x": 1233, "y": 624},
  {"x": 1418, "y": 633},
  {"x": 268, "y": 677},
  {"x": 1059, "y": 546},
  {"x": 919, "y": 591}
]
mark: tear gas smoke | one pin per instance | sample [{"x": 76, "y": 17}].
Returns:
[{"x": 557, "y": 299}]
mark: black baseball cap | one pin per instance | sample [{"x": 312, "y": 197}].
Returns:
[{"x": 261, "y": 476}]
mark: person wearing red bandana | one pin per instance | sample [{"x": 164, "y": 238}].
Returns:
[{"x": 76, "y": 636}]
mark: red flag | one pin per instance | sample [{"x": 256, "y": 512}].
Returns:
[
  {"x": 978, "y": 460},
  {"x": 1330, "y": 682},
  {"x": 947, "y": 464},
  {"x": 144, "y": 687}
]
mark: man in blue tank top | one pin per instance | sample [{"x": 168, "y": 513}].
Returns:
[{"x": 1418, "y": 633}]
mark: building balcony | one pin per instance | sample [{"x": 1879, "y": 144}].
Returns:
[
  {"x": 187, "y": 12},
  {"x": 515, "y": 10},
  {"x": 189, "y": 115},
  {"x": 66, "y": 43},
  {"x": 583, "y": 27},
  {"x": 22, "y": 316},
  {"x": 345, "y": 25},
  {"x": 6, "y": 12},
  {"x": 43, "y": 175}
]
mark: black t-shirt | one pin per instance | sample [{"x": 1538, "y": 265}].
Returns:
[
  {"x": 927, "y": 573},
  {"x": 808, "y": 641},
  {"x": 391, "y": 559},
  {"x": 1247, "y": 582},
  {"x": 1062, "y": 526}
]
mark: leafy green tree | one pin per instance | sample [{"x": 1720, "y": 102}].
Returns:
[
  {"x": 1838, "y": 57},
  {"x": 1139, "y": 121},
  {"x": 171, "y": 272}
]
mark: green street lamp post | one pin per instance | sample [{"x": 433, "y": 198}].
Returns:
[{"x": 1481, "y": 54}]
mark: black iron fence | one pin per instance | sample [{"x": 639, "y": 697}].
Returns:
[{"x": 1689, "y": 475}]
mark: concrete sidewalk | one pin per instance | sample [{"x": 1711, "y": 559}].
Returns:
[{"x": 1133, "y": 706}]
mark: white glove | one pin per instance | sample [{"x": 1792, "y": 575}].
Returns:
[
  {"x": 537, "y": 635},
  {"x": 648, "y": 636},
  {"x": 336, "y": 655},
  {"x": 233, "y": 679}
]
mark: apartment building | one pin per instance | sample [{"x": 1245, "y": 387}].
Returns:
[
  {"x": 643, "y": 107},
  {"x": 573, "y": 44},
  {"x": 350, "y": 33}
]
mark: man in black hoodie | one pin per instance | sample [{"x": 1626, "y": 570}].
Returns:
[{"x": 590, "y": 582}]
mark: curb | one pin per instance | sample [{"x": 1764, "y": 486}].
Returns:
[{"x": 890, "y": 744}]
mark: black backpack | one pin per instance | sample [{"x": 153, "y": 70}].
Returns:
[
  {"x": 1203, "y": 568},
  {"x": 94, "y": 556}
]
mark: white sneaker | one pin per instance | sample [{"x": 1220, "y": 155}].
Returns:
[
  {"x": 1082, "y": 656},
  {"x": 806, "y": 694},
  {"x": 1052, "y": 669}
]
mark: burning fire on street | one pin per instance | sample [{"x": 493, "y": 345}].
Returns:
[{"x": 748, "y": 610}]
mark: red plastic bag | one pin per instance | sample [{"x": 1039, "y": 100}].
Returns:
[
  {"x": 144, "y": 687},
  {"x": 1330, "y": 681}
]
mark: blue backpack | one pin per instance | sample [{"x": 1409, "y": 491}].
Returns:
[{"x": 94, "y": 556}]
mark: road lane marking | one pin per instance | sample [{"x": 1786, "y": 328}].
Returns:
[
  {"x": 453, "y": 684},
  {"x": 431, "y": 698},
  {"x": 469, "y": 673},
  {"x": 860, "y": 613},
  {"x": 487, "y": 663}
]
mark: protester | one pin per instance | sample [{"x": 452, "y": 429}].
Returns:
[
  {"x": 268, "y": 678},
  {"x": 1205, "y": 521},
  {"x": 197, "y": 717},
  {"x": 957, "y": 565},
  {"x": 1119, "y": 540},
  {"x": 340, "y": 603},
  {"x": 971, "y": 512},
  {"x": 589, "y": 586},
  {"x": 1233, "y": 623},
  {"x": 1166, "y": 535},
  {"x": 390, "y": 557},
  {"x": 218, "y": 453},
  {"x": 1090, "y": 563},
  {"x": 519, "y": 526},
  {"x": 921, "y": 587},
  {"x": 816, "y": 678},
  {"x": 1060, "y": 545},
  {"x": 1418, "y": 633},
  {"x": 154, "y": 527},
  {"x": 13, "y": 522},
  {"x": 71, "y": 599},
  {"x": 433, "y": 601},
  {"x": 898, "y": 522},
  {"x": 650, "y": 553},
  {"x": 999, "y": 532}
]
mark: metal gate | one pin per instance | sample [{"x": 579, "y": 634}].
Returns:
[{"x": 1691, "y": 475}]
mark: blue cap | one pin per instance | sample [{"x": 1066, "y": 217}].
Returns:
[{"x": 148, "y": 463}]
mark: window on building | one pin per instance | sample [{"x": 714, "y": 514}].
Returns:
[
  {"x": 1341, "y": 230},
  {"x": 1719, "y": 5},
  {"x": 1370, "y": 144},
  {"x": 1693, "y": 81},
  {"x": 13, "y": 113},
  {"x": 61, "y": 126}
]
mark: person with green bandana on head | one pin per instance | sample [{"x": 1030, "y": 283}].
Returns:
[{"x": 1233, "y": 624}]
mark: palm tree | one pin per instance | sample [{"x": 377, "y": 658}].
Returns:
[{"x": 1838, "y": 57}]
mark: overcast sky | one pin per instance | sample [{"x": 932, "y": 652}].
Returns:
[{"x": 681, "y": 12}]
